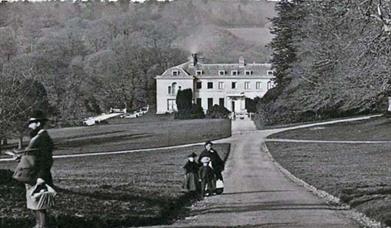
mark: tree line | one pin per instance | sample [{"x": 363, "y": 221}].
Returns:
[
  {"x": 332, "y": 59},
  {"x": 76, "y": 59}
]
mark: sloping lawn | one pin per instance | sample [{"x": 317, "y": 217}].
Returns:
[
  {"x": 376, "y": 129},
  {"x": 143, "y": 188},
  {"x": 137, "y": 135},
  {"x": 360, "y": 174}
]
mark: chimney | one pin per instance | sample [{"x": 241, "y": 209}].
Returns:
[
  {"x": 242, "y": 63},
  {"x": 194, "y": 59}
]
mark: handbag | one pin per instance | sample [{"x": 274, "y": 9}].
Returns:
[
  {"x": 44, "y": 199},
  {"x": 25, "y": 171},
  {"x": 219, "y": 186}
]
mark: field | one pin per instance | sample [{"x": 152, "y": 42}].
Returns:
[
  {"x": 360, "y": 174},
  {"x": 134, "y": 189},
  {"x": 137, "y": 134},
  {"x": 143, "y": 188}
]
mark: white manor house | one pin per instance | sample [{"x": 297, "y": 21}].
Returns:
[{"x": 225, "y": 84}]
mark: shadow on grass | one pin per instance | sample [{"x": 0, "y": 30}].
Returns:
[
  {"x": 99, "y": 140},
  {"x": 262, "y": 206},
  {"x": 169, "y": 208}
]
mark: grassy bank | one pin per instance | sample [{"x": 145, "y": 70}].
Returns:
[
  {"x": 360, "y": 174},
  {"x": 137, "y": 135},
  {"x": 374, "y": 129},
  {"x": 134, "y": 189}
]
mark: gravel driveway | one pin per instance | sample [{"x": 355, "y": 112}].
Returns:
[{"x": 258, "y": 194}]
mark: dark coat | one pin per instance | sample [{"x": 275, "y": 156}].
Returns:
[
  {"x": 191, "y": 177},
  {"x": 206, "y": 173},
  {"x": 217, "y": 162},
  {"x": 191, "y": 167},
  {"x": 208, "y": 181},
  {"x": 42, "y": 147}
]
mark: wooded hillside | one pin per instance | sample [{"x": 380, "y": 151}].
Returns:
[
  {"x": 332, "y": 59},
  {"x": 79, "y": 59}
]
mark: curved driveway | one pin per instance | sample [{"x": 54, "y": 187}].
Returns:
[{"x": 258, "y": 194}]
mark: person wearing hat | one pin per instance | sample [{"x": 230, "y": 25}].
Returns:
[
  {"x": 191, "y": 183},
  {"x": 216, "y": 161},
  {"x": 41, "y": 146}
]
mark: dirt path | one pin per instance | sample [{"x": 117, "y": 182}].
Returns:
[{"x": 258, "y": 194}]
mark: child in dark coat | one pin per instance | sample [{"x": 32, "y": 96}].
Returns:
[
  {"x": 207, "y": 177},
  {"x": 191, "y": 183}
]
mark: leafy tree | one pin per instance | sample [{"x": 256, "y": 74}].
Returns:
[
  {"x": 217, "y": 112},
  {"x": 197, "y": 112},
  {"x": 251, "y": 104}
]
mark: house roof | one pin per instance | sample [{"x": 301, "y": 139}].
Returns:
[
  {"x": 213, "y": 69},
  {"x": 188, "y": 70}
]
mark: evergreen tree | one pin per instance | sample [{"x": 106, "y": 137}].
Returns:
[
  {"x": 184, "y": 102},
  {"x": 285, "y": 27}
]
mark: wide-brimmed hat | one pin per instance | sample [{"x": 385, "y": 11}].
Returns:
[
  {"x": 208, "y": 142},
  {"x": 205, "y": 159},
  {"x": 192, "y": 155},
  {"x": 37, "y": 116}
]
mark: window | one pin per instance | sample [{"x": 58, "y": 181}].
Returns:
[
  {"x": 210, "y": 103},
  {"x": 270, "y": 72},
  {"x": 258, "y": 85},
  {"x": 210, "y": 85},
  {"x": 234, "y": 72},
  {"x": 246, "y": 85},
  {"x": 199, "y": 102},
  {"x": 221, "y": 102},
  {"x": 233, "y": 85},
  {"x": 198, "y": 72},
  {"x": 221, "y": 85},
  {"x": 270, "y": 85},
  {"x": 173, "y": 88},
  {"x": 221, "y": 72},
  {"x": 199, "y": 85},
  {"x": 175, "y": 72},
  {"x": 169, "y": 89},
  {"x": 248, "y": 72}
]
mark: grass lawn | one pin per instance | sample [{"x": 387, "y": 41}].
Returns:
[
  {"x": 135, "y": 189},
  {"x": 360, "y": 174},
  {"x": 375, "y": 129},
  {"x": 137, "y": 134}
]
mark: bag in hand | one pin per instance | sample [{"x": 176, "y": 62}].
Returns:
[
  {"x": 26, "y": 172},
  {"x": 43, "y": 196}
]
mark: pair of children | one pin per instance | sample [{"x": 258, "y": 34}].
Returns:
[{"x": 199, "y": 177}]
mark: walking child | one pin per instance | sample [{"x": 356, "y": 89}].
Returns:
[
  {"x": 191, "y": 183},
  {"x": 207, "y": 177}
]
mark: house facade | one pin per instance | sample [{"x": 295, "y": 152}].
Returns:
[{"x": 224, "y": 84}]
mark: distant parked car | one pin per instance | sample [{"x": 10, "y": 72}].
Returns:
[
  {"x": 130, "y": 115},
  {"x": 144, "y": 110},
  {"x": 89, "y": 121}
]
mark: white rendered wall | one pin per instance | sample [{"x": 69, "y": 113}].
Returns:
[
  {"x": 162, "y": 95},
  {"x": 204, "y": 93}
]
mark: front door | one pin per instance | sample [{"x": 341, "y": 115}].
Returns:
[{"x": 233, "y": 106}]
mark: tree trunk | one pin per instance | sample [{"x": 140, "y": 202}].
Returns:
[
  {"x": 389, "y": 104},
  {"x": 20, "y": 142}
]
